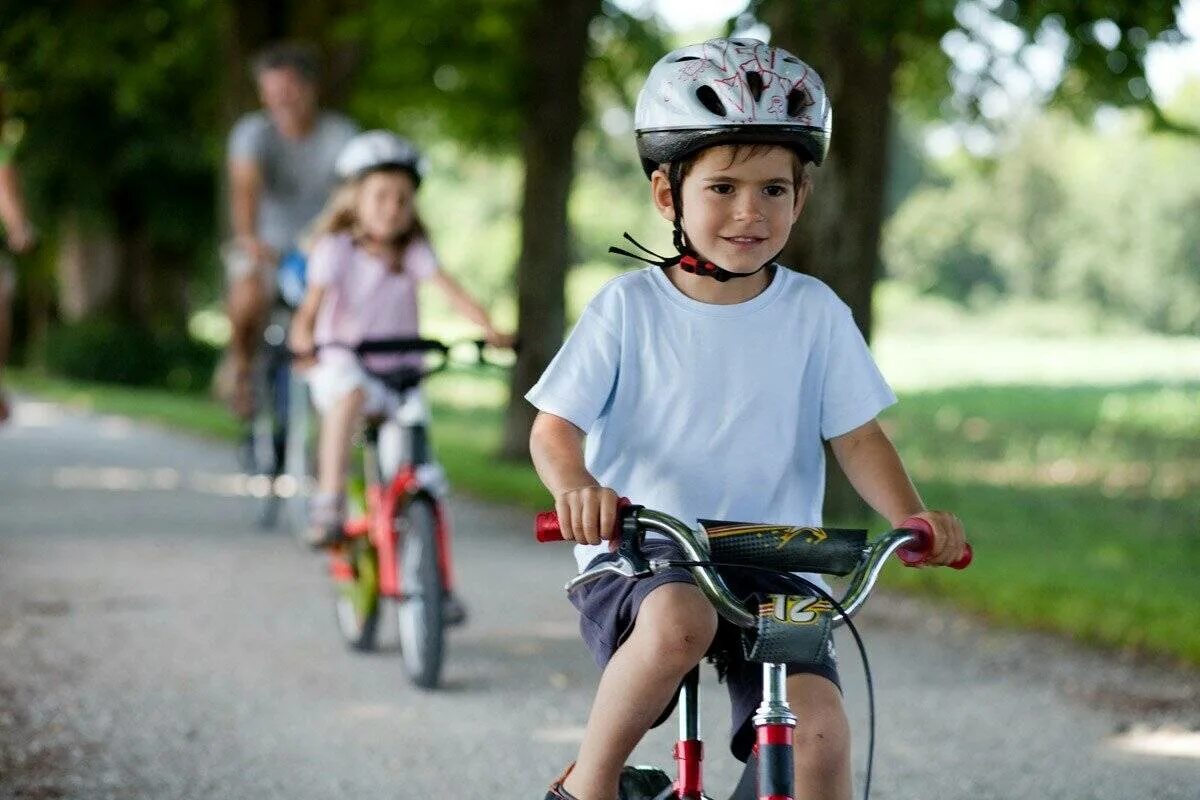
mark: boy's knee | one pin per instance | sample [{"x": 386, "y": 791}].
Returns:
[
  {"x": 821, "y": 746},
  {"x": 678, "y": 623}
]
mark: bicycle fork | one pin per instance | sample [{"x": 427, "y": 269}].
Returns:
[{"x": 774, "y": 724}]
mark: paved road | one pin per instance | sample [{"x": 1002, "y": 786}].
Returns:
[{"x": 154, "y": 645}]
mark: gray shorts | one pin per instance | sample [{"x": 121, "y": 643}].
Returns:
[{"x": 609, "y": 606}]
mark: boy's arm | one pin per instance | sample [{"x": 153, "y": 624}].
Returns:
[
  {"x": 587, "y": 511},
  {"x": 875, "y": 471}
]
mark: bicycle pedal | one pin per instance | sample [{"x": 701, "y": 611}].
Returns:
[{"x": 454, "y": 613}]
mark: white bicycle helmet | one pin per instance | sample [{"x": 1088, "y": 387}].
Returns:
[
  {"x": 374, "y": 150},
  {"x": 730, "y": 91}
]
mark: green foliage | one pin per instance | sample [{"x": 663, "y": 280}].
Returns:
[
  {"x": 117, "y": 104},
  {"x": 1067, "y": 214},
  {"x": 108, "y": 352}
]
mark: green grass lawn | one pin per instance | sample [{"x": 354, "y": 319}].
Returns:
[{"x": 1082, "y": 501}]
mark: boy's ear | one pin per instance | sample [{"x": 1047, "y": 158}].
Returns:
[
  {"x": 660, "y": 193},
  {"x": 802, "y": 193}
]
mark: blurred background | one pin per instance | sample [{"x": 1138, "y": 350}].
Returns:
[{"x": 1012, "y": 209}]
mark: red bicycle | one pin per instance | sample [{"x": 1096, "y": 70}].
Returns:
[
  {"x": 780, "y": 629},
  {"x": 398, "y": 550}
]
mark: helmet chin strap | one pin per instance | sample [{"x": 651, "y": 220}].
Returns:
[{"x": 688, "y": 259}]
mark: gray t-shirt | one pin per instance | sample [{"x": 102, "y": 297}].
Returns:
[{"x": 298, "y": 176}]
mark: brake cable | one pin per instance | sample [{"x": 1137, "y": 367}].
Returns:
[{"x": 805, "y": 585}]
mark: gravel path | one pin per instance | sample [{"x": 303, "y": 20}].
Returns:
[{"x": 154, "y": 645}]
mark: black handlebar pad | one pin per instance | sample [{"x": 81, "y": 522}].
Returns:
[{"x": 830, "y": 551}]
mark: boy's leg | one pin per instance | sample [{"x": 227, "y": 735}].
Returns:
[
  {"x": 674, "y": 627},
  {"x": 822, "y": 739}
]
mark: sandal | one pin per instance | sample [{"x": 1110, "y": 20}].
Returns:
[{"x": 326, "y": 514}]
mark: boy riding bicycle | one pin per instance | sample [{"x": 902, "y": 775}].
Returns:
[{"x": 706, "y": 386}]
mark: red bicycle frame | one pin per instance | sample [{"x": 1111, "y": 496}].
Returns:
[{"x": 384, "y": 504}]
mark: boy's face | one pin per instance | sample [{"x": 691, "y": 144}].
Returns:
[{"x": 737, "y": 212}]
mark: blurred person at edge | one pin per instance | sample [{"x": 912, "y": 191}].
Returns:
[
  {"x": 18, "y": 234},
  {"x": 281, "y": 172}
]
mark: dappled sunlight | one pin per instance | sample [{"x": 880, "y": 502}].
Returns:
[
  {"x": 36, "y": 414},
  {"x": 1166, "y": 742},
  {"x": 166, "y": 479},
  {"x": 1162, "y": 480}
]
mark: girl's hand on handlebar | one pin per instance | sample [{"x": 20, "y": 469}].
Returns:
[
  {"x": 949, "y": 540},
  {"x": 587, "y": 514}
]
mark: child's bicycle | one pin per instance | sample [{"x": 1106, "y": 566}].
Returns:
[
  {"x": 781, "y": 629},
  {"x": 399, "y": 549}
]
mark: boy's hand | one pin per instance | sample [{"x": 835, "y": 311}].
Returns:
[
  {"x": 949, "y": 540},
  {"x": 587, "y": 514}
]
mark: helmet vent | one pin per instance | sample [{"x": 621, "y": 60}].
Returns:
[
  {"x": 798, "y": 100},
  {"x": 687, "y": 58},
  {"x": 708, "y": 98},
  {"x": 755, "y": 82}
]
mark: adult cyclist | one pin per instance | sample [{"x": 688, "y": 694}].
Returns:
[{"x": 281, "y": 171}]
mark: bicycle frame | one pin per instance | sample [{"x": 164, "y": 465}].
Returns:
[
  {"x": 774, "y": 721},
  {"x": 385, "y": 502}
]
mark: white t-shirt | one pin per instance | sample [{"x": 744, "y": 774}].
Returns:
[{"x": 708, "y": 411}]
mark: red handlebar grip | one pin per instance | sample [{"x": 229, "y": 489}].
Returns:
[
  {"x": 545, "y": 527},
  {"x": 918, "y": 553}
]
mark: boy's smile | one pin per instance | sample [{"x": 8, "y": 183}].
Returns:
[{"x": 739, "y": 205}]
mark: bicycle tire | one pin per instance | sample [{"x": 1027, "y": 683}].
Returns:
[
  {"x": 299, "y": 473},
  {"x": 357, "y": 604},
  {"x": 420, "y": 615}
]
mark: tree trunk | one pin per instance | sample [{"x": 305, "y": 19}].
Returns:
[
  {"x": 837, "y": 238},
  {"x": 557, "y": 42}
]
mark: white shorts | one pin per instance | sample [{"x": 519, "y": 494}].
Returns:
[{"x": 332, "y": 379}]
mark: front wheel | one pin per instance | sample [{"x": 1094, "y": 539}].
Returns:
[
  {"x": 358, "y": 595},
  {"x": 420, "y": 613}
]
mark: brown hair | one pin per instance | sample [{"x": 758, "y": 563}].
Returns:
[
  {"x": 339, "y": 216},
  {"x": 801, "y": 166}
]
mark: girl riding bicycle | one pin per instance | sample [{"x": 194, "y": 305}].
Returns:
[{"x": 370, "y": 253}]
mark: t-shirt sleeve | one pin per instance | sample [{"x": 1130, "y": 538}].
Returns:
[
  {"x": 854, "y": 391},
  {"x": 247, "y": 140},
  {"x": 420, "y": 261},
  {"x": 579, "y": 380},
  {"x": 328, "y": 260}
]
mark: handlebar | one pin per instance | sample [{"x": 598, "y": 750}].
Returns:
[
  {"x": 409, "y": 376},
  {"x": 913, "y": 543}
]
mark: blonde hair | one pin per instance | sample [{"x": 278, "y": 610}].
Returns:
[{"x": 340, "y": 216}]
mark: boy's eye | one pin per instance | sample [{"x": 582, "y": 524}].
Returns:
[
  {"x": 722, "y": 188},
  {"x": 776, "y": 190}
]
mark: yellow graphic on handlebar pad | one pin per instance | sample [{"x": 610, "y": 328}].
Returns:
[
  {"x": 785, "y": 534},
  {"x": 794, "y": 610}
]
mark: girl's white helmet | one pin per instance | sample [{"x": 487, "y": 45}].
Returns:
[
  {"x": 379, "y": 150},
  {"x": 731, "y": 91}
]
